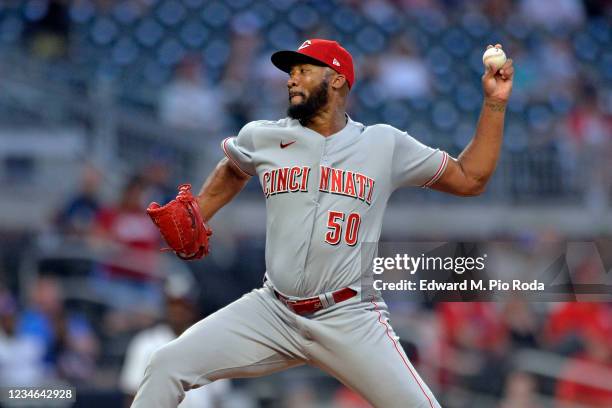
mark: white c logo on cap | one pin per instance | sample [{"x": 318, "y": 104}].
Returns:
[{"x": 305, "y": 44}]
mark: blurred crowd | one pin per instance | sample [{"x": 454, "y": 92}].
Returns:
[
  {"x": 90, "y": 317},
  {"x": 204, "y": 66},
  {"x": 481, "y": 344}
]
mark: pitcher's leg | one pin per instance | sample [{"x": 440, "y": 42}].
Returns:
[
  {"x": 245, "y": 339},
  {"x": 359, "y": 347}
]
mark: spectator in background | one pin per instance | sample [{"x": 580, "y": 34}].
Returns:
[
  {"x": 586, "y": 380},
  {"x": 157, "y": 175},
  {"x": 520, "y": 319},
  {"x": 77, "y": 216},
  {"x": 520, "y": 392},
  {"x": 587, "y": 125},
  {"x": 181, "y": 313},
  {"x": 497, "y": 11},
  {"x": 474, "y": 325},
  {"x": 241, "y": 83},
  {"x": 474, "y": 345},
  {"x": 567, "y": 323},
  {"x": 369, "y": 96},
  {"x": 553, "y": 14},
  {"x": 267, "y": 79},
  {"x": 402, "y": 73},
  {"x": 130, "y": 272},
  {"x": 189, "y": 102},
  {"x": 556, "y": 59},
  {"x": 381, "y": 11},
  {"x": 68, "y": 340},
  {"x": 21, "y": 355},
  {"x": 590, "y": 134}
]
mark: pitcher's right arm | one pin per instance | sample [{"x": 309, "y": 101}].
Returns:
[{"x": 221, "y": 186}]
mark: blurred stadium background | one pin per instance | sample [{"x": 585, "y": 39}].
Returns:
[{"x": 106, "y": 105}]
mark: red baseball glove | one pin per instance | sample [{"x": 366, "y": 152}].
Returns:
[{"x": 181, "y": 225}]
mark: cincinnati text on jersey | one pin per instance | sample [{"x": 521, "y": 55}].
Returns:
[{"x": 331, "y": 180}]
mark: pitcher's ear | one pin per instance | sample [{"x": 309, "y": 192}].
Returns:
[{"x": 339, "y": 81}]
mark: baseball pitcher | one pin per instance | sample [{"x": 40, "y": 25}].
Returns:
[{"x": 326, "y": 180}]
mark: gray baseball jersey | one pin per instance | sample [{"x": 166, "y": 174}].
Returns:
[{"x": 326, "y": 195}]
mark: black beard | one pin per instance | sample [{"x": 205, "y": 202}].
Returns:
[{"x": 305, "y": 111}]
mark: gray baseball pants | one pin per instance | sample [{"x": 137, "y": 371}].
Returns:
[{"x": 258, "y": 335}]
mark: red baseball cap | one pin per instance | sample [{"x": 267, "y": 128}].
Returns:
[{"x": 326, "y": 52}]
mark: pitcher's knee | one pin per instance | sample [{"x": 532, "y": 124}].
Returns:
[{"x": 164, "y": 360}]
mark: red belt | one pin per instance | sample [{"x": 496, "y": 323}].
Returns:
[{"x": 311, "y": 305}]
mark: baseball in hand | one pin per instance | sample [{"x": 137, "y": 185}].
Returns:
[{"x": 494, "y": 56}]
